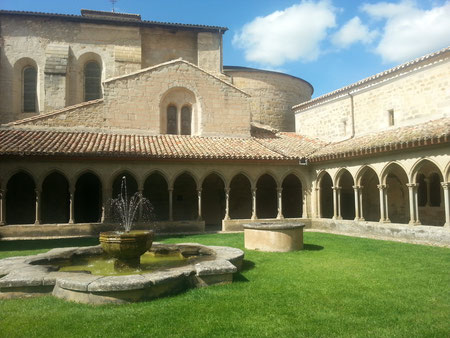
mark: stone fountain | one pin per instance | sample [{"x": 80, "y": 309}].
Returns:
[
  {"x": 127, "y": 246},
  {"x": 58, "y": 272}
]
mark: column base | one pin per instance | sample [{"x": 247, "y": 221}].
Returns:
[
  {"x": 37, "y": 223},
  {"x": 2, "y": 224}
]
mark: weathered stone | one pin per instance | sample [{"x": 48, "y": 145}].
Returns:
[
  {"x": 77, "y": 282},
  {"x": 118, "y": 283},
  {"x": 216, "y": 267}
]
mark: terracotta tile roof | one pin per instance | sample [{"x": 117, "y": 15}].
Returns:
[
  {"x": 280, "y": 146},
  {"x": 425, "y": 134},
  {"x": 22, "y": 142},
  {"x": 291, "y": 144}
]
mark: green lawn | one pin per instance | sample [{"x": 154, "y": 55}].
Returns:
[{"x": 337, "y": 286}]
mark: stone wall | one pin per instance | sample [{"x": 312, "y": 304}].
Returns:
[
  {"x": 273, "y": 95},
  {"x": 59, "y": 50},
  {"x": 134, "y": 102},
  {"x": 415, "y": 94}
]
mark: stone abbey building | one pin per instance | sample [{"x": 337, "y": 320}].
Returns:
[{"x": 87, "y": 99}]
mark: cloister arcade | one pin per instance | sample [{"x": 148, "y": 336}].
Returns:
[
  {"x": 58, "y": 198},
  {"x": 389, "y": 195}
]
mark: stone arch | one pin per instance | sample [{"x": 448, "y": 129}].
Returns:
[
  {"x": 88, "y": 197},
  {"x": 266, "y": 196},
  {"x": 215, "y": 172},
  {"x": 325, "y": 200},
  {"x": 386, "y": 168},
  {"x": 368, "y": 181},
  {"x": 179, "y": 97},
  {"x": 55, "y": 198},
  {"x": 156, "y": 190},
  {"x": 213, "y": 199},
  {"x": 20, "y": 198},
  {"x": 18, "y": 85},
  {"x": 181, "y": 172},
  {"x": 76, "y": 92},
  {"x": 184, "y": 199},
  {"x": 362, "y": 170},
  {"x": 131, "y": 183},
  {"x": 240, "y": 196},
  {"x": 395, "y": 178},
  {"x": 345, "y": 182},
  {"x": 292, "y": 196},
  {"x": 244, "y": 173},
  {"x": 430, "y": 199}
]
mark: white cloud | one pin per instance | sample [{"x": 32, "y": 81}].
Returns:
[
  {"x": 353, "y": 31},
  {"x": 288, "y": 35},
  {"x": 409, "y": 31}
]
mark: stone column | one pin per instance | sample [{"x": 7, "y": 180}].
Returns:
[
  {"x": 106, "y": 204},
  {"x": 386, "y": 205},
  {"x": 2, "y": 206},
  {"x": 356, "y": 191},
  {"x": 318, "y": 204},
  {"x": 199, "y": 198},
  {"x": 170, "y": 204},
  {"x": 71, "y": 204},
  {"x": 254, "y": 216},
  {"x": 416, "y": 204},
  {"x": 279, "y": 204},
  {"x": 304, "y": 204},
  {"x": 339, "y": 202},
  {"x": 38, "y": 207},
  {"x": 335, "y": 203},
  {"x": 413, "y": 204},
  {"x": 446, "y": 187},
  {"x": 427, "y": 181},
  {"x": 227, "y": 204},
  {"x": 382, "y": 189},
  {"x": 361, "y": 213}
]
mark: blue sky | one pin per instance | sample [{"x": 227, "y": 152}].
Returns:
[{"x": 330, "y": 43}]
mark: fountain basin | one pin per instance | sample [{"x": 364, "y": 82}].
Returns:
[
  {"x": 274, "y": 237},
  {"x": 126, "y": 247},
  {"x": 39, "y": 275}
]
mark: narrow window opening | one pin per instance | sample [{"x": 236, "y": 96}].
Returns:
[
  {"x": 391, "y": 119},
  {"x": 172, "y": 120},
  {"x": 186, "y": 120},
  {"x": 92, "y": 81},
  {"x": 29, "y": 89}
]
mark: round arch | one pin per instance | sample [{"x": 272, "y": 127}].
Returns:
[
  {"x": 395, "y": 178},
  {"x": 184, "y": 199},
  {"x": 55, "y": 198},
  {"x": 88, "y": 197},
  {"x": 240, "y": 203},
  {"x": 325, "y": 200},
  {"x": 292, "y": 196},
  {"x": 156, "y": 190},
  {"x": 266, "y": 196},
  {"x": 213, "y": 199}
]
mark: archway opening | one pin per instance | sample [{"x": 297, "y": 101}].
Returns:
[
  {"x": 347, "y": 196},
  {"x": 370, "y": 195},
  {"x": 131, "y": 185},
  {"x": 156, "y": 191},
  {"x": 20, "y": 199},
  {"x": 240, "y": 197},
  {"x": 185, "y": 202},
  {"x": 266, "y": 197},
  {"x": 292, "y": 197},
  {"x": 397, "y": 194},
  {"x": 326, "y": 196},
  {"x": 430, "y": 194},
  {"x": 55, "y": 199},
  {"x": 213, "y": 200},
  {"x": 88, "y": 199}
]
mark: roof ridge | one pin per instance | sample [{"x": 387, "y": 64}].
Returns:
[
  {"x": 151, "y": 68},
  {"x": 377, "y": 76},
  {"x": 52, "y": 113}
]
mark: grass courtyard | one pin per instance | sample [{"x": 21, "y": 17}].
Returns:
[{"x": 337, "y": 286}]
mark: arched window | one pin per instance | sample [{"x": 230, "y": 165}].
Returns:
[
  {"x": 172, "y": 120},
  {"x": 29, "y": 89},
  {"x": 186, "y": 120},
  {"x": 92, "y": 81}
]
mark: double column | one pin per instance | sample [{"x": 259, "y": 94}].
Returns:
[
  {"x": 359, "y": 216},
  {"x": 384, "y": 212},
  {"x": 413, "y": 204},
  {"x": 337, "y": 203}
]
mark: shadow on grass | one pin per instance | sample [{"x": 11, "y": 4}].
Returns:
[
  {"x": 238, "y": 277},
  {"x": 247, "y": 265},
  {"x": 312, "y": 247},
  {"x": 37, "y": 244}
]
